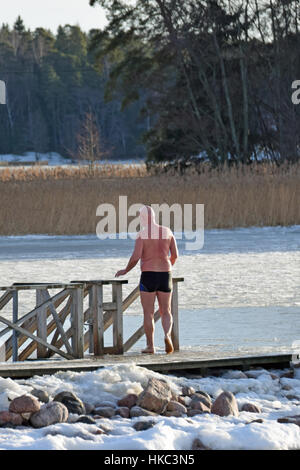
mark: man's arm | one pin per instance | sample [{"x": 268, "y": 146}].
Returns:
[
  {"x": 173, "y": 250},
  {"x": 136, "y": 255}
]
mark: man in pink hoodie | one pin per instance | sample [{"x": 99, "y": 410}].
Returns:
[{"x": 156, "y": 248}]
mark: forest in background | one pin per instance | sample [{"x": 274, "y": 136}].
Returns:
[
  {"x": 53, "y": 83},
  {"x": 165, "y": 79}
]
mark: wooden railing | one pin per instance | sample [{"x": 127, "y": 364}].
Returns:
[{"x": 56, "y": 324}]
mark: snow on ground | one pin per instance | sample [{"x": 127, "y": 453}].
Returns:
[
  {"x": 55, "y": 158},
  {"x": 168, "y": 433}
]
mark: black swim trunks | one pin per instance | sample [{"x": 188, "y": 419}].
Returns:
[{"x": 152, "y": 281}]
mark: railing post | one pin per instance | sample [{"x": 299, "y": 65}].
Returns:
[
  {"x": 174, "y": 310},
  {"x": 118, "y": 318},
  {"x": 15, "y": 319},
  {"x": 77, "y": 322},
  {"x": 41, "y": 321},
  {"x": 96, "y": 306}
]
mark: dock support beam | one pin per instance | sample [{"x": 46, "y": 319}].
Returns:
[
  {"x": 118, "y": 318},
  {"x": 77, "y": 323},
  {"x": 15, "y": 333}
]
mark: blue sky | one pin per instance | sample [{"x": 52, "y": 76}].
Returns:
[{"x": 52, "y": 13}]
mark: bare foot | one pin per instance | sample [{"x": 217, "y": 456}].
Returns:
[
  {"x": 169, "y": 345},
  {"x": 148, "y": 350}
]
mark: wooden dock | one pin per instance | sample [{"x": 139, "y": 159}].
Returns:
[
  {"x": 51, "y": 337},
  {"x": 55, "y": 326},
  {"x": 182, "y": 362}
]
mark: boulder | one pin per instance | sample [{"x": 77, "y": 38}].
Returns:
[
  {"x": 105, "y": 412},
  {"x": 123, "y": 411},
  {"x": 86, "y": 420},
  {"x": 193, "y": 412},
  {"x": 251, "y": 408},
  {"x": 176, "y": 406},
  {"x": 256, "y": 421},
  {"x": 290, "y": 419},
  {"x": 129, "y": 400},
  {"x": 173, "y": 414},
  {"x": 200, "y": 406},
  {"x": 71, "y": 401},
  {"x": 198, "y": 445},
  {"x": 88, "y": 408},
  {"x": 225, "y": 405},
  {"x": 24, "y": 404},
  {"x": 41, "y": 395},
  {"x": 200, "y": 398},
  {"x": 188, "y": 391},
  {"x": 143, "y": 425},
  {"x": 156, "y": 396},
  {"x": 7, "y": 417},
  {"x": 137, "y": 411},
  {"x": 49, "y": 413}
]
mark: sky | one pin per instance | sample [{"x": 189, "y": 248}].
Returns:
[{"x": 52, "y": 13}]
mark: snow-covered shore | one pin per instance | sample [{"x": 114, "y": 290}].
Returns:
[{"x": 277, "y": 396}]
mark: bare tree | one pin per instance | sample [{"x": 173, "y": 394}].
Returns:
[{"x": 90, "y": 145}]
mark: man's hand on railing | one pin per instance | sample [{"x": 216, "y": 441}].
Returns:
[{"x": 120, "y": 273}]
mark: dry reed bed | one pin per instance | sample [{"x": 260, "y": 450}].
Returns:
[{"x": 55, "y": 204}]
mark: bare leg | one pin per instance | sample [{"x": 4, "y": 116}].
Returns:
[
  {"x": 148, "y": 300},
  {"x": 164, "y": 302}
]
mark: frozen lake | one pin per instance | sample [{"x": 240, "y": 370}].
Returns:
[{"x": 241, "y": 290}]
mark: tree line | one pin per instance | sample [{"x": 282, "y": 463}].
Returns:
[
  {"x": 217, "y": 75},
  {"x": 169, "y": 79},
  {"x": 54, "y": 86}
]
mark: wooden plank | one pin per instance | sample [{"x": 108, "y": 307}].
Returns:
[
  {"x": 59, "y": 326},
  {"x": 138, "y": 334},
  {"x": 118, "y": 319},
  {"x": 174, "y": 311},
  {"x": 60, "y": 295},
  {"x": 131, "y": 298},
  {"x": 77, "y": 323},
  {"x": 15, "y": 332},
  {"x": 5, "y": 298},
  {"x": 97, "y": 317},
  {"x": 35, "y": 338},
  {"x": 69, "y": 333},
  {"x": 41, "y": 322},
  {"x": 179, "y": 361},
  {"x": 109, "y": 305},
  {"x": 62, "y": 315},
  {"x": 31, "y": 326}
]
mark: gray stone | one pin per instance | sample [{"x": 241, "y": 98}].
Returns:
[
  {"x": 123, "y": 411},
  {"x": 187, "y": 391},
  {"x": 225, "y": 405},
  {"x": 143, "y": 425},
  {"x": 290, "y": 419},
  {"x": 193, "y": 412},
  {"x": 86, "y": 420},
  {"x": 41, "y": 395},
  {"x": 198, "y": 445},
  {"x": 200, "y": 397},
  {"x": 105, "y": 411},
  {"x": 88, "y": 408},
  {"x": 251, "y": 408},
  {"x": 176, "y": 406},
  {"x": 137, "y": 411},
  {"x": 71, "y": 401},
  {"x": 128, "y": 401},
  {"x": 49, "y": 413},
  {"x": 156, "y": 396}
]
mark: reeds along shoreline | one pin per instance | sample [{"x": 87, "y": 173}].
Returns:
[{"x": 63, "y": 200}]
